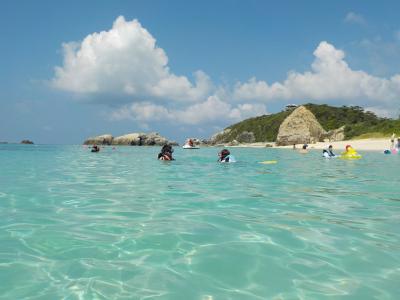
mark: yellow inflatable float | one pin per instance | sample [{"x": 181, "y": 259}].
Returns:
[
  {"x": 268, "y": 162},
  {"x": 350, "y": 153}
]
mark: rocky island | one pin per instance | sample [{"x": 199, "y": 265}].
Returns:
[
  {"x": 130, "y": 139},
  {"x": 27, "y": 142}
]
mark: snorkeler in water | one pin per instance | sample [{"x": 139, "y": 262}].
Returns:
[
  {"x": 225, "y": 156},
  {"x": 330, "y": 151},
  {"x": 166, "y": 153}
]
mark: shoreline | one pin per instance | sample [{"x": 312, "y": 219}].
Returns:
[
  {"x": 371, "y": 144},
  {"x": 360, "y": 144}
]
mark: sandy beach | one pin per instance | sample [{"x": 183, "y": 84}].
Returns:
[{"x": 362, "y": 144}]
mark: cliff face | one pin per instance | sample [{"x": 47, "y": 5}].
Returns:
[
  {"x": 131, "y": 139},
  {"x": 220, "y": 137},
  {"x": 300, "y": 127},
  {"x": 336, "y": 134}
]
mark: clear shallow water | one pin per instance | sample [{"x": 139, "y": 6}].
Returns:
[{"x": 122, "y": 225}]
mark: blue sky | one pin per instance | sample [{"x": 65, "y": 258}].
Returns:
[{"x": 186, "y": 68}]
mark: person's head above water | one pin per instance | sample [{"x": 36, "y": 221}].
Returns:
[
  {"x": 166, "y": 152},
  {"x": 167, "y": 149},
  {"x": 223, "y": 154},
  {"x": 305, "y": 146}
]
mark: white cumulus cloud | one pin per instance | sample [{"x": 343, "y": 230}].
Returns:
[
  {"x": 213, "y": 110},
  {"x": 125, "y": 60},
  {"x": 330, "y": 78}
]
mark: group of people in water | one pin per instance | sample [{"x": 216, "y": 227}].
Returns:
[
  {"x": 225, "y": 156},
  {"x": 328, "y": 153},
  {"x": 349, "y": 152},
  {"x": 167, "y": 150}
]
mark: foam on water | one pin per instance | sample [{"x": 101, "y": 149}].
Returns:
[{"x": 120, "y": 224}]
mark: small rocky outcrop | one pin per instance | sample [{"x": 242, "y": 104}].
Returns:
[
  {"x": 246, "y": 137},
  {"x": 105, "y": 139},
  {"x": 300, "y": 127},
  {"x": 131, "y": 139},
  {"x": 220, "y": 137},
  {"x": 27, "y": 142},
  {"x": 154, "y": 138},
  {"x": 230, "y": 137},
  {"x": 205, "y": 142},
  {"x": 233, "y": 143},
  {"x": 335, "y": 135},
  {"x": 141, "y": 139}
]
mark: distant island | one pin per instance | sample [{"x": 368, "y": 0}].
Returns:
[
  {"x": 27, "y": 142},
  {"x": 308, "y": 123},
  {"x": 130, "y": 139}
]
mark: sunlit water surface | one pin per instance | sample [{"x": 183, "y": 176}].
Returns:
[{"x": 121, "y": 225}]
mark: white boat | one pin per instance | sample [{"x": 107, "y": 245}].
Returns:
[{"x": 186, "y": 146}]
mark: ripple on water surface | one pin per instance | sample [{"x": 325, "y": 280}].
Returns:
[{"x": 121, "y": 225}]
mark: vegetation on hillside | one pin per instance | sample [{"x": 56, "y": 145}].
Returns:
[{"x": 357, "y": 123}]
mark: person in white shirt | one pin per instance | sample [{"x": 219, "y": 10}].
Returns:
[{"x": 392, "y": 141}]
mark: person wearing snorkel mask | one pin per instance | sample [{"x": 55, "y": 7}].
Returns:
[
  {"x": 166, "y": 153},
  {"x": 225, "y": 156}
]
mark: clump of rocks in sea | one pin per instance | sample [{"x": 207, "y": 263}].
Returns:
[
  {"x": 130, "y": 139},
  {"x": 27, "y": 142}
]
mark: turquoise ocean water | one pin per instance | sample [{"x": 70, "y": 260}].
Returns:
[{"x": 120, "y": 224}]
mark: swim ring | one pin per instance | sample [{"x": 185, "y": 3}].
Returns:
[
  {"x": 268, "y": 162},
  {"x": 350, "y": 153}
]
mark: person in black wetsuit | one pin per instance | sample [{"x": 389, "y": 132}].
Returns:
[
  {"x": 224, "y": 155},
  {"x": 166, "y": 153},
  {"x": 330, "y": 152}
]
